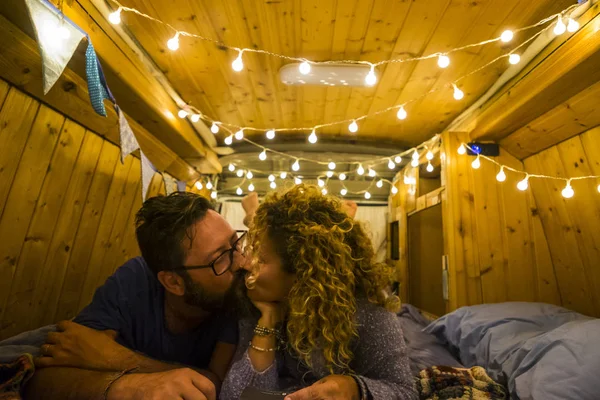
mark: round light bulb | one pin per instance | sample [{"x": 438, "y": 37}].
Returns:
[
  {"x": 271, "y": 134},
  {"x": 514, "y": 59},
  {"x": 240, "y": 173},
  {"x": 391, "y": 164},
  {"x": 313, "y": 137},
  {"x": 367, "y": 195},
  {"x": 182, "y": 113},
  {"x": 476, "y": 163},
  {"x": 344, "y": 191},
  {"x": 507, "y": 36},
  {"x": 415, "y": 155},
  {"x": 262, "y": 156},
  {"x": 195, "y": 118},
  {"x": 199, "y": 185},
  {"x": 273, "y": 185},
  {"x": 379, "y": 183},
  {"x": 304, "y": 68},
  {"x": 271, "y": 178},
  {"x": 458, "y": 94},
  {"x": 414, "y": 163},
  {"x": 443, "y": 61},
  {"x": 560, "y": 27},
  {"x": 283, "y": 175},
  {"x": 462, "y": 149},
  {"x": 429, "y": 167},
  {"x": 297, "y": 181},
  {"x": 329, "y": 174},
  {"x": 402, "y": 114},
  {"x": 209, "y": 185},
  {"x": 360, "y": 170},
  {"x": 296, "y": 166},
  {"x": 524, "y": 184},
  {"x": 598, "y": 188},
  {"x": 353, "y": 127},
  {"x": 331, "y": 165},
  {"x": 239, "y": 191},
  {"x": 251, "y": 187},
  {"x": 429, "y": 155},
  {"x": 214, "y": 128},
  {"x": 249, "y": 175},
  {"x": 342, "y": 177},
  {"x": 213, "y": 195},
  {"x": 239, "y": 135},
  {"x": 324, "y": 191},
  {"x": 231, "y": 167},
  {"x": 320, "y": 182},
  {"x": 173, "y": 43},
  {"x": 238, "y": 63},
  {"x": 371, "y": 78},
  {"x": 568, "y": 191},
  {"x": 229, "y": 140},
  {"x": 372, "y": 173},
  {"x": 115, "y": 17},
  {"x": 397, "y": 159},
  {"x": 572, "y": 25},
  {"x": 501, "y": 177},
  {"x": 394, "y": 190}
]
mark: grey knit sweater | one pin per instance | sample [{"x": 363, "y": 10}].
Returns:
[{"x": 380, "y": 360}]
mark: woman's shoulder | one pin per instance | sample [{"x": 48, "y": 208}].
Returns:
[{"x": 370, "y": 316}]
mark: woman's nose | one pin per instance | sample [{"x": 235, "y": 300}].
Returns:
[{"x": 242, "y": 261}]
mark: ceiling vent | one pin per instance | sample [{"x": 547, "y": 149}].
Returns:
[{"x": 326, "y": 75}]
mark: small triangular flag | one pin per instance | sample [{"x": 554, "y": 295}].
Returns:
[
  {"x": 97, "y": 86},
  {"x": 181, "y": 186},
  {"x": 170, "y": 183},
  {"x": 148, "y": 172},
  {"x": 129, "y": 143}
]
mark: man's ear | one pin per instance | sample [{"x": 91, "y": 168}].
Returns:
[{"x": 172, "y": 282}]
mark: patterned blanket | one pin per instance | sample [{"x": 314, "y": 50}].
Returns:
[
  {"x": 14, "y": 375},
  {"x": 447, "y": 383}
]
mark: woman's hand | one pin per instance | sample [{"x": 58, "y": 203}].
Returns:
[{"x": 271, "y": 313}]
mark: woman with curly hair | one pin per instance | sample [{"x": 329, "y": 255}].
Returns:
[{"x": 324, "y": 326}]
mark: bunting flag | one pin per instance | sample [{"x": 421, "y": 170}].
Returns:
[
  {"x": 129, "y": 143},
  {"x": 181, "y": 186},
  {"x": 148, "y": 172},
  {"x": 97, "y": 86},
  {"x": 57, "y": 39},
  {"x": 170, "y": 183}
]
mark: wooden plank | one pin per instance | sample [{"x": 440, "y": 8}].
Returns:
[
  {"x": 29, "y": 271},
  {"x": 68, "y": 304},
  {"x": 4, "y": 88},
  {"x": 155, "y": 184},
  {"x": 54, "y": 270},
  {"x": 23, "y": 195},
  {"x": 16, "y": 119},
  {"x": 107, "y": 221},
  {"x": 129, "y": 247}
]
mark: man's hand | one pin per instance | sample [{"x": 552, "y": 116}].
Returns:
[
  {"x": 350, "y": 207},
  {"x": 333, "y": 387},
  {"x": 250, "y": 205},
  {"x": 78, "y": 346},
  {"x": 177, "y": 384}
]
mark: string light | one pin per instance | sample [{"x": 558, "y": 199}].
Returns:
[
  {"x": 342, "y": 176},
  {"x": 476, "y": 162},
  {"x": 443, "y": 61},
  {"x": 507, "y": 36},
  {"x": 329, "y": 174},
  {"x": 231, "y": 167},
  {"x": 229, "y": 140},
  {"x": 524, "y": 184},
  {"x": 240, "y": 173},
  {"x": 572, "y": 25},
  {"x": 353, "y": 127},
  {"x": 297, "y": 181},
  {"x": 271, "y": 134},
  {"x": 182, "y": 113},
  {"x": 514, "y": 59},
  {"x": 372, "y": 173},
  {"x": 173, "y": 43},
  {"x": 458, "y": 94},
  {"x": 214, "y": 128},
  {"x": 415, "y": 159},
  {"x": 251, "y": 187},
  {"x": 394, "y": 190},
  {"x": 115, "y": 17},
  {"x": 367, "y": 195},
  {"x": 238, "y": 63},
  {"x": 331, "y": 165},
  {"x": 501, "y": 177},
  {"x": 414, "y": 163},
  {"x": 462, "y": 149},
  {"x": 313, "y": 137},
  {"x": 296, "y": 166},
  {"x": 249, "y": 175},
  {"x": 568, "y": 191},
  {"x": 195, "y": 118},
  {"x": 209, "y": 185},
  {"x": 429, "y": 155},
  {"x": 199, "y": 185},
  {"x": 429, "y": 167},
  {"x": 304, "y": 68},
  {"x": 398, "y": 159},
  {"x": 273, "y": 185},
  {"x": 283, "y": 175},
  {"x": 598, "y": 188},
  {"x": 560, "y": 27},
  {"x": 324, "y": 191},
  {"x": 360, "y": 170},
  {"x": 320, "y": 182},
  {"x": 379, "y": 183},
  {"x": 213, "y": 195},
  {"x": 371, "y": 78},
  {"x": 391, "y": 164},
  {"x": 344, "y": 191},
  {"x": 239, "y": 191},
  {"x": 271, "y": 178},
  {"x": 239, "y": 135},
  {"x": 263, "y": 156},
  {"x": 401, "y": 114}
]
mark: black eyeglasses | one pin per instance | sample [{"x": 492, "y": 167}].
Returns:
[{"x": 224, "y": 261}]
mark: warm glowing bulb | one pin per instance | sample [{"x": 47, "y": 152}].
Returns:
[
  {"x": 514, "y": 59},
  {"x": 572, "y": 25},
  {"x": 462, "y": 149},
  {"x": 342, "y": 177},
  {"x": 353, "y": 127},
  {"x": 360, "y": 170},
  {"x": 231, "y": 167},
  {"x": 297, "y": 181},
  {"x": 240, "y": 173},
  {"x": 443, "y": 61},
  {"x": 367, "y": 195},
  {"x": 501, "y": 177},
  {"x": 397, "y": 159},
  {"x": 598, "y": 188},
  {"x": 296, "y": 166},
  {"x": 304, "y": 68},
  {"x": 324, "y": 191},
  {"x": 560, "y": 27},
  {"x": 273, "y": 185},
  {"x": 329, "y": 174},
  {"x": 249, "y": 175},
  {"x": 214, "y": 128},
  {"x": 173, "y": 43},
  {"x": 195, "y": 118},
  {"x": 414, "y": 163},
  {"x": 262, "y": 156},
  {"x": 313, "y": 137},
  {"x": 458, "y": 94},
  {"x": 271, "y": 134},
  {"x": 182, "y": 113},
  {"x": 283, "y": 175},
  {"x": 415, "y": 155},
  {"x": 344, "y": 191},
  {"x": 199, "y": 185},
  {"x": 402, "y": 114},
  {"x": 476, "y": 163},
  {"x": 372, "y": 173},
  {"x": 271, "y": 178},
  {"x": 379, "y": 183},
  {"x": 394, "y": 190},
  {"x": 213, "y": 195},
  {"x": 320, "y": 182},
  {"x": 331, "y": 165},
  {"x": 115, "y": 17},
  {"x": 251, "y": 187},
  {"x": 209, "y": 185},
  {"x": 391, "y": 164},
  {"x": 239, "y": 191},
  {"x": 239, "y": 135},
  {"x": 429, "y": 167},
  {"x": 229, "y": 140},
  {"x": 524, "y": 184},
  {"x": 371, "y": 78},
  {"x": 429, "y": 155},
  {"x": 568, "y": 191},
  {"x": 507, "y": 36},
  {"x": 238, "y": 63}
]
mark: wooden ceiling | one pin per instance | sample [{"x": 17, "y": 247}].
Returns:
[{"x": 372, "y": 30}]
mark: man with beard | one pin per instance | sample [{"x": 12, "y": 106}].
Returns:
[{"x": 159, "y": 327}]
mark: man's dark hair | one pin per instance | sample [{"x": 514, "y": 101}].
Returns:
[{"x": 162, "y": 224}]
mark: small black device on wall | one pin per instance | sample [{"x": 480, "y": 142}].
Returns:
[
  {"x": 395, "y": 240},
  {"x": 485, "y": 149}
]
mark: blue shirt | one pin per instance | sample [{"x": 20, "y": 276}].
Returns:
[{"x": 131, "y": 302}]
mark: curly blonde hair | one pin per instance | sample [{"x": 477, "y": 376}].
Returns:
[{"x": 334, "y": 263}]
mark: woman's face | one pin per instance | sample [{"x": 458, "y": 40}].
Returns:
[{"x": 273, "y": 283}]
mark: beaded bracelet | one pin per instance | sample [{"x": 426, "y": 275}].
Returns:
[
  {"x": 261, "y": 349},
  {"x": 263, "y": 331}
]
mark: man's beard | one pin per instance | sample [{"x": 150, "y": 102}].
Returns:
[{"x": 239, "y": 300}]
